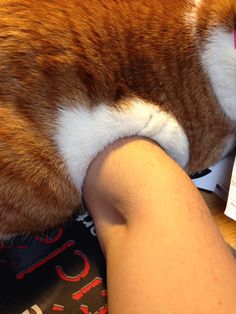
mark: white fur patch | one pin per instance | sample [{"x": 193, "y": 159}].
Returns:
[
  {"x": 219, "y": 60},
  {"x": 82, "y": 133},
  {"x": 229, "y": 145}
]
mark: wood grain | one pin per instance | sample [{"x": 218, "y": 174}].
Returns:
[{"x": 226, "y": 225}]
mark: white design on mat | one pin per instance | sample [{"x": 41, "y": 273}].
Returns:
[
  {"x": 82, "y": 133},
  {"x": 36, "y": 309},
  {"x": 219, "y": 60}
]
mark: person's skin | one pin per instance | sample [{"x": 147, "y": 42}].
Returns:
[{"x": 164, "y": 253}]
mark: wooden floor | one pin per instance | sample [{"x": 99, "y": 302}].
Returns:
[{"x": 226, "y": 225}]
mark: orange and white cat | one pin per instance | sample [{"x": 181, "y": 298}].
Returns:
[{"x": 77, "y": 75}]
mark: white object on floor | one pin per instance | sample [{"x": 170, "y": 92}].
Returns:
[{"x": 231, "y": 203}]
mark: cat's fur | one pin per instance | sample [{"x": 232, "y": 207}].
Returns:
[{"x": 76, "y": 75}]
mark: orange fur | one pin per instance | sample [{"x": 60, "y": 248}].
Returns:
[{"x": 95, "y": 51}]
